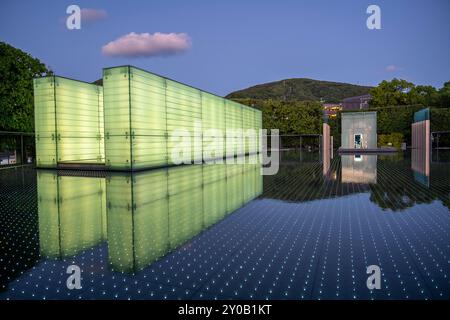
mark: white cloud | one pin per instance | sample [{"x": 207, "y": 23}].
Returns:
[
  {"x": 147, "y": 45},
  {"x": 92, "y": 15},
  {"x": 391, "y": 68}
]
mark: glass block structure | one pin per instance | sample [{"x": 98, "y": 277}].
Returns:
[
  {"x": 144, "y": 110},
  {"x": 68, "y": 122},
  {"x": 129, "y": 122},
  {"x": 359, "y": 130}
]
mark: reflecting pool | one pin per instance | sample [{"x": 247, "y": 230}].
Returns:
[{"x": 225, "y": 232}]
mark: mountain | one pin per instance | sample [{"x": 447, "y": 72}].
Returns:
[{"x": 301, "y": 89}]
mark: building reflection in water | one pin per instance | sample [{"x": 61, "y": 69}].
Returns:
[
  {"x": 72, "y": 213},
  {"x": 359, "y": 168},
  {"x": 420, "y": 165},
  {"x": 141, "y": 215},
  {"x": 420, "y": 143}
]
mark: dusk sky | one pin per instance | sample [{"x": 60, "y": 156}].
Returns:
[{"x": 222, "y": 46}]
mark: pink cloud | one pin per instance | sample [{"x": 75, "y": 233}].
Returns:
[
  {"x": 147, "y": 45},
  {"x": 391, "y": 68},
  {"x": 92, "y": 15}
]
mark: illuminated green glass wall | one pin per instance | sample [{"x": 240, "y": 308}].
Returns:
[
  {"x": 45, "y": 121},
  {"x": 150, "y": 213},
  {"x": 68, "y": 122},
  {"x": 142, "y": 110}
]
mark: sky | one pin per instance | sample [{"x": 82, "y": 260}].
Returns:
[{"x": 223, "y": 46}]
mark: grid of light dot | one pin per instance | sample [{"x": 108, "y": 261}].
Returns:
[{"x": 309, "y": 237}]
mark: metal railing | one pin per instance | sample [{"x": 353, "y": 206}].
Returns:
[{"x": 16, "y": 148}]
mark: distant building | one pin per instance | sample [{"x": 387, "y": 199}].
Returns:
[
  {"x": 330, "y": 110},
  {"x": 356, "y": 103},
  {"x": 359, "y": 130}
]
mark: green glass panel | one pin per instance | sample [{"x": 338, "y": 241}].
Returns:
[
  {"x": 184, "y": 116},
  {"x": 213, "y": 123},
  {"x": 258, "y": 127},
  {"x": 78, "y": 118},
  {"x": 116, "y": 99},
  {"x": 45, "y": 122},
  {"x": 233, "y": 121},
  {"x": 149, "y": 151},
  {"x": 148, "y": 119}
]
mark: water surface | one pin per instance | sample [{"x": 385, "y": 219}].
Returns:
[{"x": 222, "y": 232}]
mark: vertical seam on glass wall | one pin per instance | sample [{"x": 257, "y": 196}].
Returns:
[
  {"x": 101, "y": 207},
  {"x": 129, "y": 117},
  {"x": 59, "y": 219},
  {"x": 166, "y": 132},
  {"x": 203, "y": 178},
  {"x": 133, "y": 247},
  {"x": 201, "y": 132},
  {"x": 168, "y": 207},
  {"x": 98, "y": 123},
  {"x": 242, "y": 129},
  {"x": 104, "y": 127},
  {"x": 243, "y": 155},
  {"x": 225, "y": 155},
  {"x": 56, "y": 123},
  {"x": 35, "y": 125},
  {"x": 166, "y": 136}
]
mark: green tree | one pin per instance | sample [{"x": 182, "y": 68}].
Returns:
[
  {"x": 399, "y": 92},
  {"x": 444, "y": 95},
  {"x": 290, "y": 117},
  {"x": 17, "y": 70},
  {"x": 424, "y": 95},
  {"x": 391, "y": 93}
]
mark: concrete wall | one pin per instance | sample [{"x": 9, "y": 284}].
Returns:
[{"x": 364, "y": 123}]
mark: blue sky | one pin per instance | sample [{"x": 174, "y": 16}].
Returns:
[{"x": 236, "y": 44}]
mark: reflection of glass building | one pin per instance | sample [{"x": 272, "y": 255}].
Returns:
[
  {"x": 420, "y": 151},
  {"x": 359, "y": 168},
  {"x": 72, "y": 213},
  {"x": 142, "y": 215},
  {"x": 359, "y": 130}
]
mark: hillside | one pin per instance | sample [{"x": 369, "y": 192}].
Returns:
[{"x": 301, "y": 89}]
